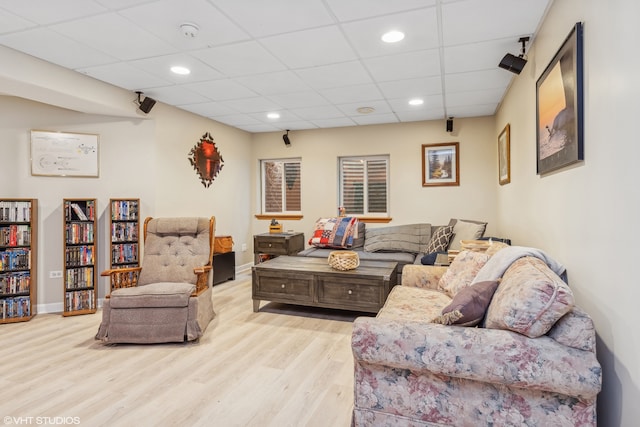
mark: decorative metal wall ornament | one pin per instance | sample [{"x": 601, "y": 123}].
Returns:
[{"x": 206, "y": 159}]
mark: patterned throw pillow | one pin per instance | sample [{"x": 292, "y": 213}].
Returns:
[
  {"x": 469, "y": 305},
  {"x": 440, "y": 240},
  {"x": 337, "y": 232},
  {"x": 462, "y": 271}
]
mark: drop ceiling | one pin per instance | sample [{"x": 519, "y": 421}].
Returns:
[{"x": 314, "y": 62}]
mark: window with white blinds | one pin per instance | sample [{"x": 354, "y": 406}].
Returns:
[
  {"x": 281, "y": 186},
  {"x": 364, "y": 185}
]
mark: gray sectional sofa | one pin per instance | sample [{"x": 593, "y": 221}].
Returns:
[{"x": 404, "y": 244}]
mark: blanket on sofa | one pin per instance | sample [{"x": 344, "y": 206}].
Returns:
[{"x": 501, "y": 260}]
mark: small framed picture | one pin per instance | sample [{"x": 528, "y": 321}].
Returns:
[
  {"x": 440, "y": 164},
  {"x": 504, "y": 155}
]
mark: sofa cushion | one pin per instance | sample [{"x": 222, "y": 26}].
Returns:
[
  {"x": 160, "y": 294},
  {"x": 439, "y": 242},
  {"x": 464, "y": 229},
  {"x": 462, "y": 271},
  {"x": 469, "y": 305},
  {"x": 335, "y": 233},
  {"x": 412, "y": 238},
  {"x": 413, "y": 304},
  {"x": 530, "y": 299}
]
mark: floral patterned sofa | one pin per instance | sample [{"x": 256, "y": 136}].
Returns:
[{"x": 530, "y": 361}]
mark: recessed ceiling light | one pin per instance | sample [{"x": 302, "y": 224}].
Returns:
[
  {"x": 392, "y": 36},
  {"x": 366, "y": 110},
  {"x": 416, "y": 101},
  {"x": 273, "y": 115},
  {"x": 178, "y": 69}
]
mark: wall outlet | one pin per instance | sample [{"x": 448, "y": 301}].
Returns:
[
  {"x": 55, "y": 274},
  {"x": 244, "y": 247}
]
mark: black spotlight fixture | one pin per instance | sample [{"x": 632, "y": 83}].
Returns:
[
  {"x": 286, "y": 139},
  {"x": 145, "y": 105},
  {"x": 450, "y": 124},
  {"x": 513, "y": 63}
]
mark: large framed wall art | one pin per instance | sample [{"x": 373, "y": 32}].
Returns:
[
  {"x": 559, "y": 107},
  {"x": 64, "y": 154}
]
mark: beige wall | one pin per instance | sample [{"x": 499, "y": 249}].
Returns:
[
  {"x": 410, "y": 202},
  {"x": 585, "y": 215}
]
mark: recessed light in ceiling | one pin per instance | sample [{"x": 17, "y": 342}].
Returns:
[
  {"x": 273, "y": 115},
  {"x": 178, "y": 69},
  {"x": 366, "y": 110},
  {"x": 416, "y": 101},
  {"x": 392, "y": 36}
]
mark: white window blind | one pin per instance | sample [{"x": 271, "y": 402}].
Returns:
[{"x": 364, "y": 185}]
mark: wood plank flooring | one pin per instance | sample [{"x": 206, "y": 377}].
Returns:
[{"x": 283, "y": 366}]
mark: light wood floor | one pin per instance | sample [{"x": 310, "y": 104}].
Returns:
[{"x": 283, "y": 366}]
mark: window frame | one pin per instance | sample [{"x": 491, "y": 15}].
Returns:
[
  {"x": 262, "y": 163},
  {"x": 366, "y": 214}
]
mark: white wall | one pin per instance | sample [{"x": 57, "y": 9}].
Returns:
[
  {"x": 410, "y": 202},
  {"x": 586, "y": 215}
]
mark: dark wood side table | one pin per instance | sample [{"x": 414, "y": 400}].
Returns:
[
  {"x": 224, "y": 267},
  {"x": 277, "y": 244}
]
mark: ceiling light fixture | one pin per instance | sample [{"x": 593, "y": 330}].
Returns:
[
  {"x": 178, "y": 69},
  {"x": 273, "y": 116},
  {"x": 513, "y": 63},
  {"x": 366, "y": 110},
  {"x": 416, "y": 101},
  {"x": 392, "y": 36},
  {"x": 189, "y": 30}
]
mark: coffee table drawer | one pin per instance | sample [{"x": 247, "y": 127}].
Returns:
[
  {"x": 356, "y": 294},
  {"x": 290, "y": 288}
]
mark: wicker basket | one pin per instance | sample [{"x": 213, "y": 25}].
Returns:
[
  {"x": 474, "y": 245},
  {"x": 344, "y": 260}
]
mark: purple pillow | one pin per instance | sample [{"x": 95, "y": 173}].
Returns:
[{"x": 469, "y": 305}]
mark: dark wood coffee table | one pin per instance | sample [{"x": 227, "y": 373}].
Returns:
[{"x": 312, "y": 282}]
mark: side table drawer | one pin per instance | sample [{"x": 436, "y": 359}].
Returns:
[
  {"x": 355, "y": 294},
  {"x": 284, "y": 288},
  {"x": 274, "y": 246}
]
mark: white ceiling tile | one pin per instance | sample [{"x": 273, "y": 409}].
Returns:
[
  {"x": 359, "y": 9},
  {"x": 411, "y": 88},
  {"x": 285, "y": 116},
  {"x": 256, "y": 128},
  {"x": 404, "y": 66},
  {"x": 430, "y": 102},
  {"x": 263, "y": 18},
  {"x": 209, "y": 109},
  {"x": 119, "y": 4},
  {"x": 214, "y": 27},
  {"x": 359, "y": 93},
  {"x": 161, "y": 67},
  {"x": 477, "y": 110},
  {"x": 273, "y": 83},
  {"x": 351, "y": 110},
  {"x": 478, "y": 56},
  {"x": 253, "y": 105},
  {"x": 46, "y": 12},
  {"x": 337, "y": 75},
  {"x": 296, "y": 125},
  {"x": 489, "y": 79},
  {"x": 46, "y": 44},
  {"x": 375, "y": 119},
  {"x": 334, "y": 123},
  {"x": 310, "y": 48},
  {"x": 490, "y": 96},
  {"x": 115, "y": 36},
  {"x": 319, "y": 113},
  {"x": 299, "y": 99},
  {"x": 124, "y": 75},
  {"x": 500, "y": 19},
  {"x": 414, "y": 116},
  {"x": 10, "y": 22},
  {"x": 240, "y": 59},
  {"x": 420, "y": 29},
  {"x": 175, "y": 95},
  {"x": 220, "y": 90}
]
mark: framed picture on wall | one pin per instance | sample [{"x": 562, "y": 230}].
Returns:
[
  {"x": 559, "y": 107},
  {"x": 504, "y": 155},
  {"x": 440, "y": 164},
  {"x": 64, "y": 154}
]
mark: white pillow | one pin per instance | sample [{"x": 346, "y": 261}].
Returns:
[{"x": 465, "y": 230}]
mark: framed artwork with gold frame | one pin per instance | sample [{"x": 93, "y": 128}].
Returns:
[
  {"x": 504, "y": 155},
  {"x": 441, "y": 164}
]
